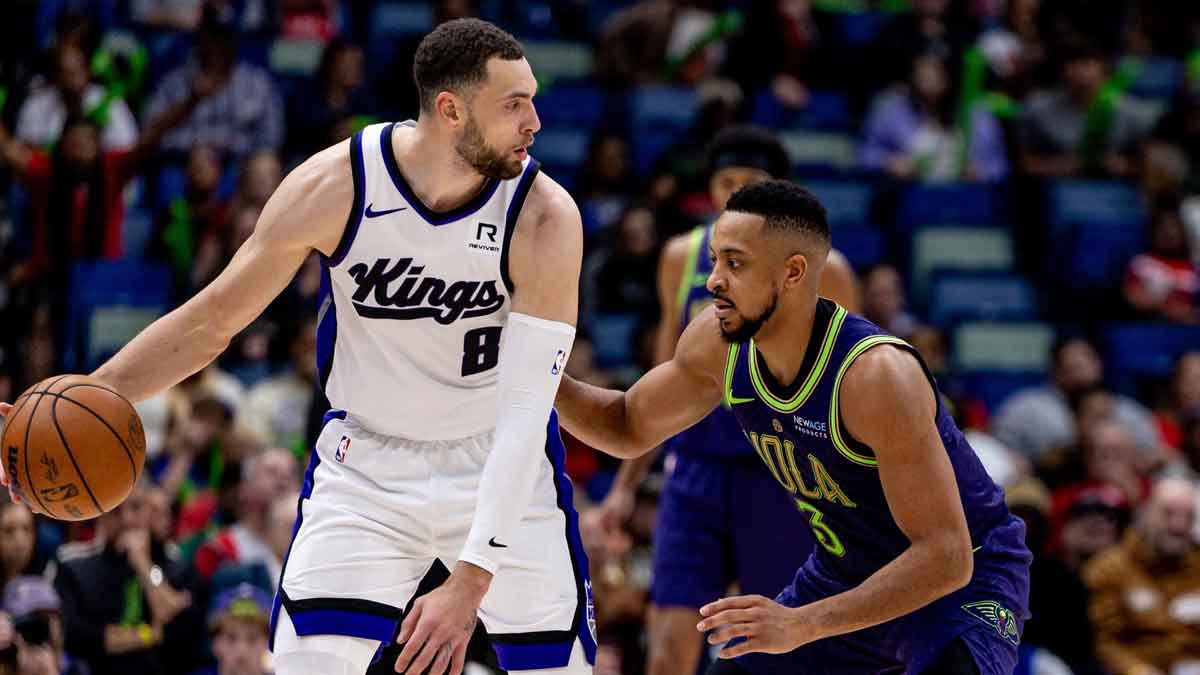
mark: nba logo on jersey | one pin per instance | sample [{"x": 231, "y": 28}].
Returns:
[
  {"x": 560, "y": 362},
  {"x": 343, "y": 447}
]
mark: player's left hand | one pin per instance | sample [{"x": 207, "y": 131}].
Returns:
[
  {"x": 765, "y": 625},
  {"x": 438, "y": 629}
]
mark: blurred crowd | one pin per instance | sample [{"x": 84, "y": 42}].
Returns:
[{"x": 1048, "y": 149}]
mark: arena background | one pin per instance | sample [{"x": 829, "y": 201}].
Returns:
[{"x": 1014, "y": 182}]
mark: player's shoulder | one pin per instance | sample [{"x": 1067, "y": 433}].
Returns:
[
  {"x": 885, "y": 377},
  {"x": 677, "y": 247},
  {"x": 312, "y": 204},
  {"x": 549, "y": 216},
  {"x": 701, "y": 348}
]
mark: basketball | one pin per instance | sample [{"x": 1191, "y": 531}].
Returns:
[{"x": 73, "y": 447}]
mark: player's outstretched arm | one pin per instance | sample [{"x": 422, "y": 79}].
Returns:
[
  {"x": 308, "y": 211},
  {"x": 887, "y": 403},
  {"x": 665, "y": 401}
]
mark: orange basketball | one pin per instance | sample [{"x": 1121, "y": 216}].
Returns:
[{"x": 73, "y": 447}]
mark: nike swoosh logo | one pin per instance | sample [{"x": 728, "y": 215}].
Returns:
[
  {"x": 375, "y": 214},
  {"x": 734, "y": 400},
  {"x": 493, "y": 544}
]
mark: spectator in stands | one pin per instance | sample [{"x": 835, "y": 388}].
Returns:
[
  {"x": 192, "y": 216},
  {"x": 261, "y": 174},
  {"x": 238, "y": 622},
  {"x": 216, "y": 249},
  {"x": 276, "y": 408},
  {"x": 266, "y": 477},
  {"x": 784, "y": 47},
  {"x": 244, "y": 112},
  {"x": 606, "y": 180},
  {"x": 1015, "y": 50},
  {"x": 1107, "y": 456},
  {"x": 1171, "y": 155},
  {"x": 1086, "y": 525},
  {"x": 1036, "y": 420},
  {"x": 77, "y": 192},
  {"x": 134, "y": 626},
  {"x": 338, "y": 93},
  {"x": 1189, "y": 444},
  {"x": 18, "y": 537},
  {"x": 933, "y": 26},
  {"x": 912, "y": 132},
  {"x": 1074, "y": 130},
  {"x": 71, "y": 93},
  {"x": 1182, "y": 396},
  {"x": 884, "y": 300},
  {"x": 1143, "y": 591},
  {"x": 34, "y": 608},
  {"x": 1163, "y": 283},
  {"x": 620, "y": 276},
  {"x": 282, "y": 520}
]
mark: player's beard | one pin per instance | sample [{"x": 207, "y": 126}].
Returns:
[
  {"x": 750, "y": 326},
  {"x": 474, "y": 150}
]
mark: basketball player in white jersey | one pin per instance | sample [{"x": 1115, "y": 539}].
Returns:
[{"x": 450, "y": 268}]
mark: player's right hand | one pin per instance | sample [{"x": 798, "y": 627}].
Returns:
[{"x": 6, "y": 408}]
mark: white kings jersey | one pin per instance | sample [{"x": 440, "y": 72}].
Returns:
[{"x": 413, "y": 302}]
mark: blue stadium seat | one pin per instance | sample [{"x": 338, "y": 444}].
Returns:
[
  {"x": 863, "y": 246},
  {"x": 579, "y": 105},
  {"x": 953, "y": 248},
  {"x": 858, "y": 29},
  {"x": 950, "y": 204},
  {"x": 1160, "y": 78},
  {"x": 825, "y": 110},
  {"x": 612, "y": 338},
  {"x": 1134, "y": 352},
  {"x": 846, "y": 202},
  {"x": 820, "y": 154},
  {"x": 994, "y": 387},
  {"x": 1095, "y": 228},
  {"x": 978, "y": 296},
  {"x": 1093, "y": 203},
  {"x": 561, "y": 149},
  {"x": 559, "y": 61},
  {"x": 658, "y": 116},
  {"x": 398, "y": 20},
  {"x": 109, "y": 303},
  {"x": 533, "y": 19},
  {"x": 1014, "y": 347}
]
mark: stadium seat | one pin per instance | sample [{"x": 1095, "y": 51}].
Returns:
[
  {"x": 956, "y": 297},
  {"x": 949, "y": 204},
  {"x": 863, "y": 245},
  {"x": 1095, "y": 227},
  {"x": 994, "y": 387},
  {"x": 562, "y": 152},
  {"x": 1160, "y": 78},
  {"x": 399, "y": 20},
  {"x": 579, "y": 105},
  {"x": 846, "y": 202},
  {"x": 1137, "y": 352},
  {"x": 858, "y": 29},
  {"x": 827, "y": 110},
  {"x": 820, "y": 153},
  {"x": 555, "y": 61},
  {"x": 109, "y": 303},
  {"x": 1017, "y": 347},
  {"x": 658, "y": 116},
  {"x": 612, "y": 338},
  {"x": 951, "y": 248},
  {"x": 295, "y": 57},
  {"x": 1093, "y": 203}
]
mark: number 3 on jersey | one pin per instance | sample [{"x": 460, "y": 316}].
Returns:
[
  {"x": 481, "y": 350},
  {"x": 825, "y": 536}
]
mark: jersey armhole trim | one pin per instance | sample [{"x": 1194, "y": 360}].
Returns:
[
  {"x": 730, "y": 367},
  {"x": 514, "y": 212},
  {"x": 689, "y": 270},
  {"x": 835, "y": 421},
  {"x": 356, "y": 209}
]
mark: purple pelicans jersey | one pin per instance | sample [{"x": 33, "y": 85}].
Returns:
[{"x": 832, "y": 478}]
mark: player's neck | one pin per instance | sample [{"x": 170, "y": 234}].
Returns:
[
  {"x": 783, "y": 339},
  {"x": 434, "y": 171}
]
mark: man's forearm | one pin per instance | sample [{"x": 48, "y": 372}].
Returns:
[
  {"x": 914, "y": 579},
  {"x": 597, "y": 416},
  {"x": 162, "y": 355}
]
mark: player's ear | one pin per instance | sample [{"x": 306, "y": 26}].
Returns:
[
  {"x": 449, "y": 108},
  {"x": 796, "y": 270}
]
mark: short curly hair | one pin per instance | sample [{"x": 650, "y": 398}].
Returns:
[
  {"x": 455, "y": 56},
  {"x": 785, "y": 206}
]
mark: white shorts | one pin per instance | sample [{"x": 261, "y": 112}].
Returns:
[{"x": 383, "y": 519}]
